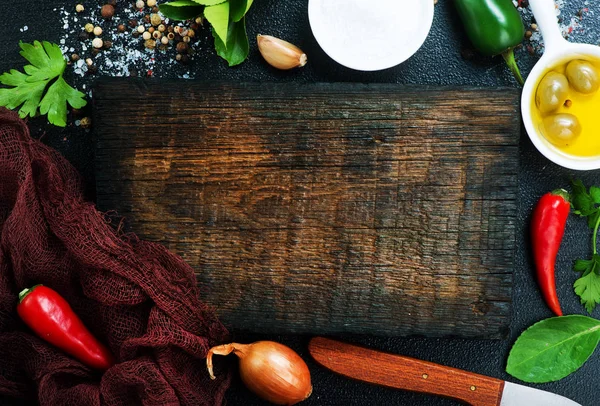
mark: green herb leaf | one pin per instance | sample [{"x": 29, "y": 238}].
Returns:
[
  {"x": 585, "y": 204},
  {"x": 218, "y": 17},
  {"x": 54, "y": 104},
  {"x": 181, "y": 9},
  {"x": 27, "y": 89},
  {"x": 209, "y": 2},
  {"x": 582, "y": 201},
  {"x": 592, "y": 219},
  {"x": 553, "y": 348},
  {"x": 595, "y": 194},
  {"x": 237, "y": 47},
  {"x": 238, "y": 9},
  {"x": 588, "y": 286}
]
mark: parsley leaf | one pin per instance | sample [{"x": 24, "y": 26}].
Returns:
[
  {"x": 587, "y": 204},
  {"x": 45, "y": 71},
  {"x": 588, "y": 286}
]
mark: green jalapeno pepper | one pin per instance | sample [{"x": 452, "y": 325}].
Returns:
[{"x": 494, "y": 27}]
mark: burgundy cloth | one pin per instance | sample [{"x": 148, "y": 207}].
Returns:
[{"x": 135, "y": 296}]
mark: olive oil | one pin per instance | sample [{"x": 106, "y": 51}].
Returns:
[{"x": 573, "y": 123}]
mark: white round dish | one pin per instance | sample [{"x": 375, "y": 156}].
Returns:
[
  {"x": 370, "y": 35},
  {"x": 557, "y": 50}
]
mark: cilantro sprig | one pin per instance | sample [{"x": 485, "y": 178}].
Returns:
[
  {"x": 587, "y": 204},
  {"x": 42, "y": 86},
  {"x": 227, "y": 19}
]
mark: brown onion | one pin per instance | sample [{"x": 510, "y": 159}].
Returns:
[{"x": 271, "y": 370}]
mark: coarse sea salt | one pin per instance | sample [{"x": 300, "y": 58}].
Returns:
[
  {"x": 127, "y": 56},
  {"x": 369, "y": 32},
  {"x": 572, "y": 26}
]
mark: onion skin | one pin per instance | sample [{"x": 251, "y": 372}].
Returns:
[{"x": 273, "y": 371}]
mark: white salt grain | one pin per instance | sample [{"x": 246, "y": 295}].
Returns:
[{"x": 370, "y": 32}]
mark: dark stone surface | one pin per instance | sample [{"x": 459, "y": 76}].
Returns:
[{"x": 439, "y": 62}]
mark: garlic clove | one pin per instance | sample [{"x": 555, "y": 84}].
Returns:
[{"x": 279, "y": 53}]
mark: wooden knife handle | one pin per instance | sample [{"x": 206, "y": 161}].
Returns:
[{"x": 396, "y": 371}]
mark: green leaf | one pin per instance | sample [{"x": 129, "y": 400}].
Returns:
[
  {"x": 553, "y": 348},
  {"x": 592, "y": 219},
  {"x": 55, "y": 102},
  {"x": 181, "y": 9},
  {"x": 583, "y": 265},
  {"x": 46, "y": 60},
  {"x": 209, "y": 2},
  {"x": 50, "y": 65},
  {"x": 27, "y": 89},
  {"x": 588, "y": 288},
  {"x": 248, "y": 5},
  {"x": 595, "y": 194},
  {"x": 218, "y": 17},
  {"x": 237, "y": 9},
  {"x": 582, "y": 201},
  {"x": 237, "y": 48}
]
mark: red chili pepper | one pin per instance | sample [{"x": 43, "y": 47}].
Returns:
[
  {"x": 547, "y": 230},
  {"x": 52, "y": 319}
]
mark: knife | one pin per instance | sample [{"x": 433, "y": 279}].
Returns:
[{"x": 396, "y": 371}]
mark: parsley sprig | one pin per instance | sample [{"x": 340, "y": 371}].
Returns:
[
  {"x": 587, "y": 204},
  {"x": 41, "y": 86}
]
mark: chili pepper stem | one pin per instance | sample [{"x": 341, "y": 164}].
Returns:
[
  {"x": 509, "y": 57},
  {"x": 27, "y": 291}
]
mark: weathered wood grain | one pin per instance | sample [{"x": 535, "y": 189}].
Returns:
[{"x": 322, "y": 208}]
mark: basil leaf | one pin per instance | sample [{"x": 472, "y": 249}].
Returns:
[
  {"x": 218, "y": 17},
  {"x": 237, "y": 47},
  {"x": 237, "y": 9},
  {"x": 209, "y": 2},
  {"x": 553, "y": 348},
  {"x": 181, "y": 9},
  {"x": 248, "y": 5}
]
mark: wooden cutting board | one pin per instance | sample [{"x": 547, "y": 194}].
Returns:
[{"x": 323, "y": 208}]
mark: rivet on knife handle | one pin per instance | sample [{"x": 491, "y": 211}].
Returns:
[{"x": 405, "y": 373}]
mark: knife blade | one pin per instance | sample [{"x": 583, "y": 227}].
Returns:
[{"x": 399, "y": 372}]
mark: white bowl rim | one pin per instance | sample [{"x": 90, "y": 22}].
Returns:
[{"x": 401, "y": 55}]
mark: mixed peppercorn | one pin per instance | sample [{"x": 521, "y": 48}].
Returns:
[{"x": 154, "y": 31}]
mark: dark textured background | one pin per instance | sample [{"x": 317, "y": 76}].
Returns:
[{"x": 442, "y": 60}]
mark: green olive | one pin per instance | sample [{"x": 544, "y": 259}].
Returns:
[
  {"x": 551, "y": 92},
  {"x": 582, "y": 76},
  {"x": 561, "y": 129}
]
